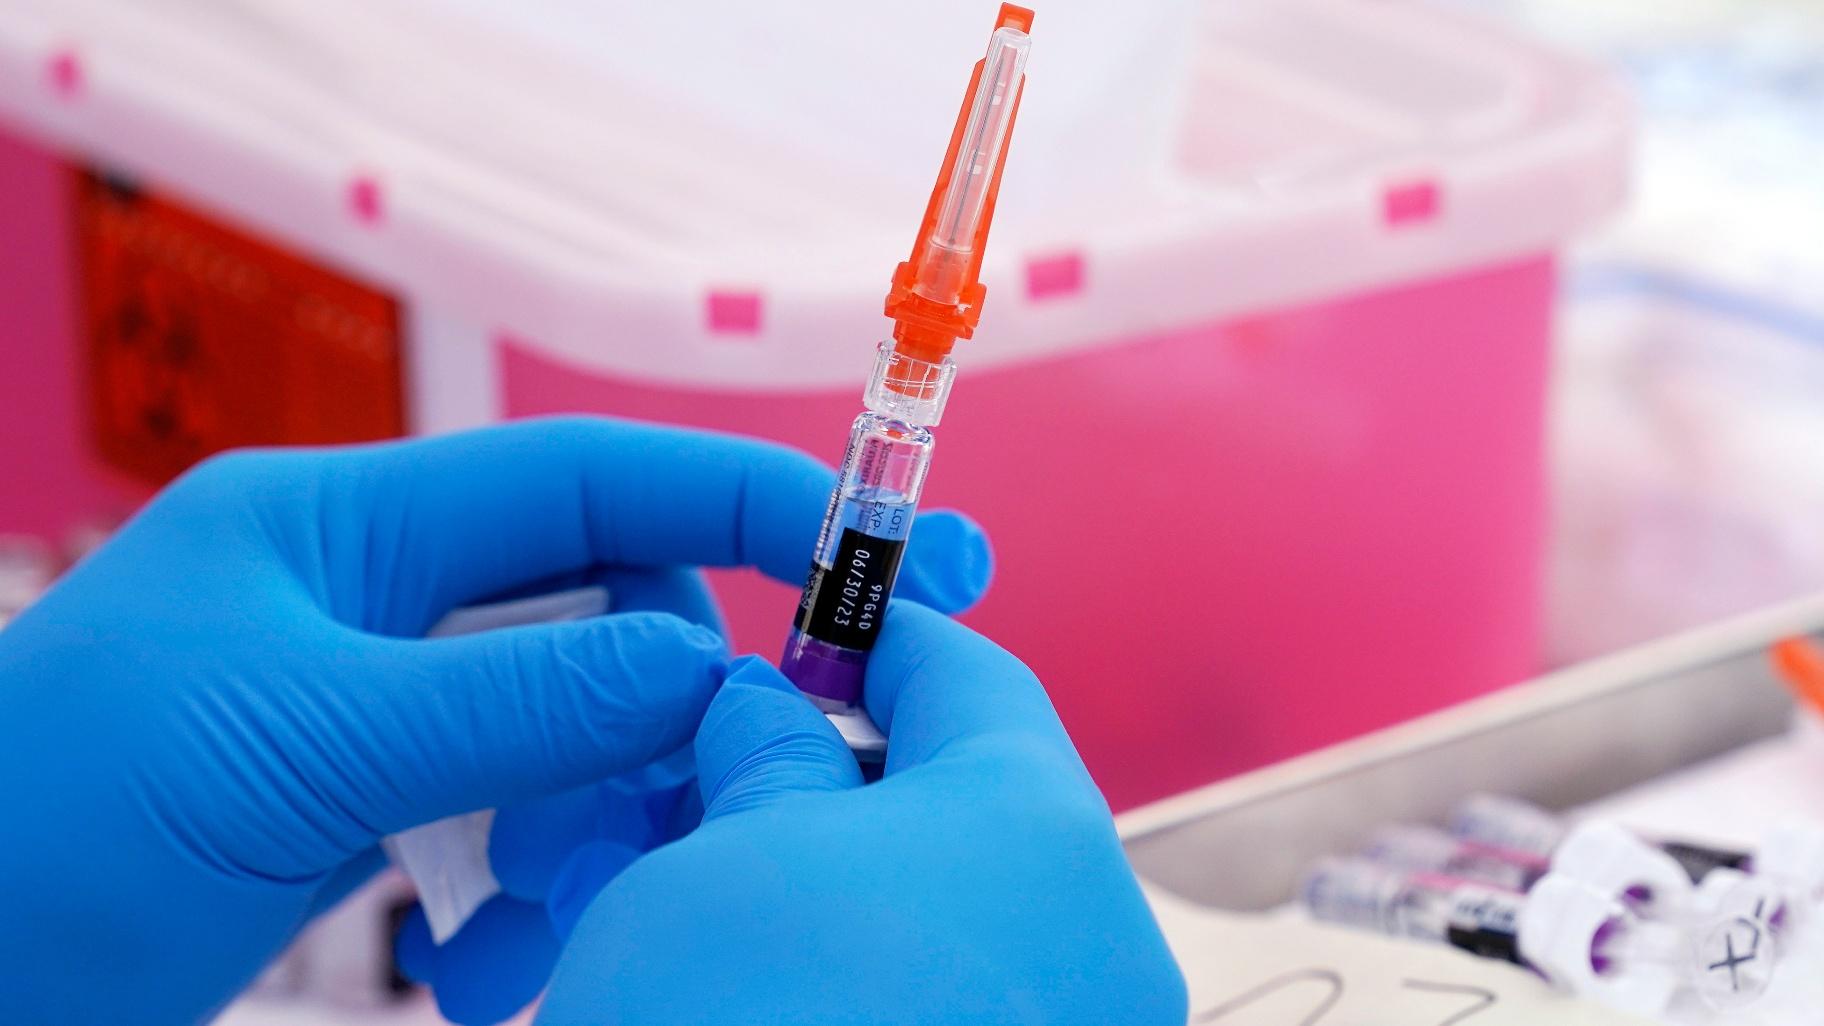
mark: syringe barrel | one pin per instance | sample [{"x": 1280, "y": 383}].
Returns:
[
  {"x": 1507, "y": 823},
  {"x": 1474, "y": 917},
  {"x": 1429, "y": 850},
  {"x": 864, "y": 533}
]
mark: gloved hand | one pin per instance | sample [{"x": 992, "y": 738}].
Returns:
[
  {"x": 207, "y": 725},
  {"x": 979, "y": 882},
  {"x": 501, "y": 958}
]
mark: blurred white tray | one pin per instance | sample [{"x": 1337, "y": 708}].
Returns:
[
  {"x": 1686, "y": 738},
  {"x": 1618, "y": 728}
]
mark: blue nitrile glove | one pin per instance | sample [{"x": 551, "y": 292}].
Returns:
[
  {"x": 500, "y": 959},
  {"x": 979, "y": 882},
  {"x": 205, "y": 728}
]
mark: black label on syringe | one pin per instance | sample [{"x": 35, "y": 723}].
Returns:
[
  {"x": 1485, "y": 922},
  {"x": 1697, "y": 860},
  {"x": 843, "y": 604}
]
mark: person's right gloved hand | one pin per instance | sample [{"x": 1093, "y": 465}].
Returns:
[{"x": 980, "y": 881}]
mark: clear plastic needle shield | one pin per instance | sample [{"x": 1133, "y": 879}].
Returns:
[{"x": 936, "y": 298}]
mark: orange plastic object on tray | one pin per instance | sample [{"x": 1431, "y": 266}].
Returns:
[{"x": 1801, "y": 666}]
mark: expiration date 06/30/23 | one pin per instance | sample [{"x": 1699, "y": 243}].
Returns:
[
  {"x": 862, "y": 593},
  {"x": 846, "y": 600}
]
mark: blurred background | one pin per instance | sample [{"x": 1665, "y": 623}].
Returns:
[{"x": 1343, "y": 359}]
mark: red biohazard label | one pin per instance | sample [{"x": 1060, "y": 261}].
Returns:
[{"x": 200, "y": 337}]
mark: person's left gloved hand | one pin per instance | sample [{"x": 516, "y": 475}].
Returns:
[{"x": 205, "y": 728}]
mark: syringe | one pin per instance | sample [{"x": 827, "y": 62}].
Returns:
[
  {"x": 936, "y": 298},
  {"x": 1575, "y": 935},
  {"x": 1792, "y": 853},
  {"x": 1422, "y": 849},
  {"x": 1476, "y": 917}
]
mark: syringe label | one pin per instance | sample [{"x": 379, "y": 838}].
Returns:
[
  {"x": 1698, "y": 860},
  {"x": 1485, "y": 922},
  {"x": 844, "y": 603}
]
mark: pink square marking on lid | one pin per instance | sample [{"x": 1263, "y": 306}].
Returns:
[
  {"x": 733, "y": 312},
  {"x": 365, "y": 199},
  {"x": 65, "y": 73},
  {"x": 1411, "y": 202},
  {"x": 1057, "y": 274}
]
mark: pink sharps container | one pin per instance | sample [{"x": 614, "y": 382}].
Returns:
[{"x": 1257, "y": 436}]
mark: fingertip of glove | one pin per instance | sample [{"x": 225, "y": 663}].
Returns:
[
  {"x": 756, "y": 671},
  {"x": 654, "y": 646},
  {"x": 705, "y": 642},
  {"x": 662, "y": 628},
  {"x": 705, "y": 639},
  {"x": 955, "y": 565}
]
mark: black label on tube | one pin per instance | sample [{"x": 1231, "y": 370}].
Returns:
[
  {"x": 843, "y": 604},
  {"x": 1485, "y": 922},
  {"x": 1698, "y": 860}
]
